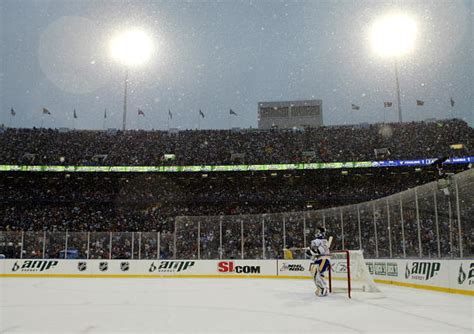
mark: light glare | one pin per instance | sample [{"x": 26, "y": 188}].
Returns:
[
  {"x": 394, "y": 35},
  {"x": 131, "y": 48}
]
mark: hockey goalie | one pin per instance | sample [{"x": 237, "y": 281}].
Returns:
[{"x": 319, "y": 254}]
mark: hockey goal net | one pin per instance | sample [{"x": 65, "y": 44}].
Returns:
[{"x": 349, "y": 273}]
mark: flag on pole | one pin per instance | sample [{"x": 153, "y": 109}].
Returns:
[
  {"x": 140, "y": 112},
  {"x": 231, "y": 112},
  {"x": 355, "y": 107},
  {"x": 420, "y": 102},
  {"x": 46, "y": 111},
  {"x": 387, "y": 104},
  {"x": 12, "y": 112},
  {"x": 201, "y": 113},
  {"x": 105, "y": 113},
  {"x": 452, "y": 102},
  {"x": 75, "y": 115},
  {"x": 170, "y": 114}
]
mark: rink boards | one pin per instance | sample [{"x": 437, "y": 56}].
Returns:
[{"x": 454, "y": 276}]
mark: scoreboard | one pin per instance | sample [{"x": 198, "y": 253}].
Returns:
[{"x": 290, "y": 114}]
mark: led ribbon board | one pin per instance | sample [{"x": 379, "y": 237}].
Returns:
[{"x": 230, "y": 168}]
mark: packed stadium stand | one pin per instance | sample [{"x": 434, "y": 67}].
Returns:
[
  {"x": 214, "y": 147},
  {"x": 38, "y": 206}
]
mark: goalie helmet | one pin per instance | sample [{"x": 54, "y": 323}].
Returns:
[{"x": 321, "y": 233}]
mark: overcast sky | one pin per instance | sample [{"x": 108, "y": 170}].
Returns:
[{"x": 228, "y": 54}]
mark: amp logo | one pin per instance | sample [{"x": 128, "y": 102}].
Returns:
[
  {"x": 230, "y": 267},
  {"x": 34, "y": 265},
  {"x": 466, "y": 277},
  {"x": 422, "y": 270}
]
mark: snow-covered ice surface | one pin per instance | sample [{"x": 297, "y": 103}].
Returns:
[{"x": 57, "y": 305}]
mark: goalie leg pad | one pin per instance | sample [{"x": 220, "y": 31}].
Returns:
[{"x": 318, "y": 279}]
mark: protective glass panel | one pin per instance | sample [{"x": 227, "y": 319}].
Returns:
[
  {"x": 99, "y": 245},
  {"x": 446, "y": 220},
  {"x": 10, "y": 244},
  {"x": 426, "y": 209},
  {"x": 210, "y": 238},
  {"x": 122, "y": 243},
  {"x": 396, "y": 230},
  {"x": 167, "y": 239},
  {"x": 55, "y": 245},
  {"x": 466, "y": 209},
  {"x": 381, "y": 224},
  {"x": 149, "y": 245},
  {"x": 186, "y": 238},
  {"x": 231, "y": 237},
  {"x": 351, "y": 227},
  {"x": 367, "y": 229},
  {"x": 313, "y": 220},
  {"x": 77, "y": 243},
  {"x": 294, "y": 230},
  {"x": 410, "y": 223},
  {"x": 274, "y": 236},
  {"x": 253, "y": 237},
  {"x": 333, "y": 227},
  {"x": 33, "y": 245}
]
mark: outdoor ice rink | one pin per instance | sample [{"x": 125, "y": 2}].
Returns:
[{"x": 117, "y": 305}]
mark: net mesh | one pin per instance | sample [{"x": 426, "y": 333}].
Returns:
[{"x": 360, "y": 278}]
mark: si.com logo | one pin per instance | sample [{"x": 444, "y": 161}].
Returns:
[{"x": 230, "y": 267}]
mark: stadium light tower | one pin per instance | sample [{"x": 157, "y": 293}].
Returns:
[
  {"x": 394, "y": 36},
  {"x": 131, "y": 49}
]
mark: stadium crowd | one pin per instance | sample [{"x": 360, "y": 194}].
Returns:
[
  {"x": 214, "y": 147},
  {"x": 139, "y": 209},
  {"x": 135, "y": 229},
  {"x": 92, "y": 202},
  {"x": 242, "y": 233}
]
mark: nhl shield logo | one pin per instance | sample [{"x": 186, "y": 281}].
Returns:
[
  {"x": 82, "y": 266},
  {"x": 124, "y": 266},
  {"x": 103, "y": 266}
]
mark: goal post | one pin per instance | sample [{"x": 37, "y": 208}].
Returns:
[{"x": 349, "y": 273}]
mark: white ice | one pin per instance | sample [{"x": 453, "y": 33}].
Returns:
[{"x": 117, "y": 305}]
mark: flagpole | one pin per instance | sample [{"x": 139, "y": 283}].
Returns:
[
  {"x": 199, "y": 121},
  {"x": 105, "y": 119},
  {"x": 10, "y": 124},
  {"x": 124, "y": 121},
  {"x": 399, "y": 104},
  {"x": 451, "y": 102},
  {"x": 42, "y": 119}
]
